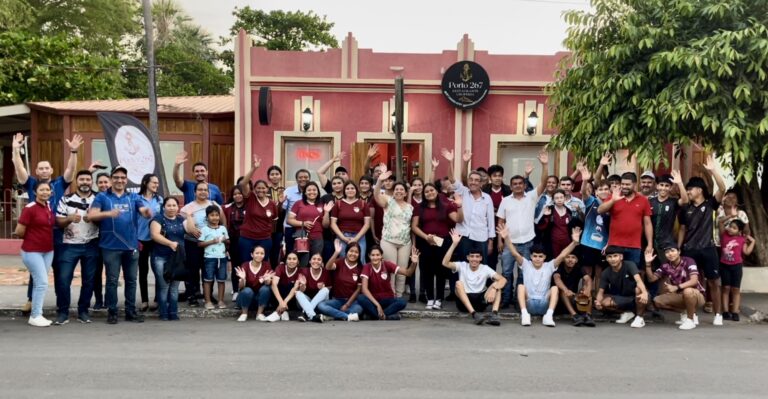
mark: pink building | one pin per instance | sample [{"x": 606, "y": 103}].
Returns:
[{"x": 350, "y": 94}]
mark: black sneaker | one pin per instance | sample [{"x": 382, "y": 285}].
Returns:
[
  {"x": 735, "y": 317},
  {"x": 578, "y": 320},
  {"x": 303, "y": 317},
  {"x": 423, "y": 298},
  {"x": 84, "y": 318},
  {"x": 317, "y": 319},
  {"x": 478, "y": 318},
  {"x": 99, "y": 306},
  {"x": 493, "y": 319},
  {"x": 587, "y": 320},
  {"x": 727, "y": 316},
  {"x": 136, "y": 318},
  {"x": 112, "y": 318},
  {"x": 412, "y": 298},
  {"x": 61, "y": 319}
]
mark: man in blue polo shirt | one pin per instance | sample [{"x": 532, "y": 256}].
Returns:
[
  {"x": 118, "y": 212},
  {"x": 200, "y": 170},
  {"x": 44, "y": 172}
]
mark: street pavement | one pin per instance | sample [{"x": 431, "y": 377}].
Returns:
[{"x": 427, "y": 358}]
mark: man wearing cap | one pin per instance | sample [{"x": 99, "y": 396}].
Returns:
[
  {"x": 698, "y": 230},
  {"x": 648, "y": 184},
  {"x": 622, "y": 289},
  {"x": 340, "y": 171},
  {"x": 200, "y": 170},
  {"x": 630, "y": 218},
  {"x": 118, "y": 212},
  {"x": 684, "y": 292}
]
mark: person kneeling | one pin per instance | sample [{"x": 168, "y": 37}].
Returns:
[
  {"x": 472, "y": 290},
  {"x": 622, "y": 289},
  {"x": 314, "y": 288},
  {"x": 684, "y": 291},
  {"x": 568, "y": 277},
  {"x": 378, "y": 299},
  {"x": 536, "y": 295},
  {"x": 255, "y": 278}
]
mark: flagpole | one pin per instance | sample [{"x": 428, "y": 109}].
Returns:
[{"x": 150, "y": 45}]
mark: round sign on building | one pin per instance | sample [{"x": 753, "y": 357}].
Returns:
[{"x": 465, "y": 84}]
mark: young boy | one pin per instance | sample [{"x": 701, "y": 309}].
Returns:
[
  {"x": 622, "y": 289},
  {"x": 472, "y": 291},
  {"x": 536, "y": 294},
  {"x": 567, "y": 279},
  {"x": 214, "y": 238}
]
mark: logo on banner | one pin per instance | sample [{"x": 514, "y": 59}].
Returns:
[{"x": 134, "y": 151}]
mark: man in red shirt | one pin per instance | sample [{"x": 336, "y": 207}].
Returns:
[{"x": 630, "y": 216}]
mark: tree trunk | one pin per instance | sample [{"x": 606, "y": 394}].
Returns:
[{"x": 758, "y": 219}]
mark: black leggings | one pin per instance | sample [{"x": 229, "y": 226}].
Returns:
[
  {"x": 433, "y": 273},
  {"x": 194, "y": 263},
  {"x": 144, "y": 266},
  {"x": 234, "y": 260}
]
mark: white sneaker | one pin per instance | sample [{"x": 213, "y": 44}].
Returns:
[
  {"x": 234, "y": 296},
  {"x": 438, "y": 305},
  {"x": 687, "y": 324},
  {"x": 243, "y": 317},
  {"x": 696, "y": 319},
  {"x": 353, "y": 317},
  {"x": 285, "y": 317},
  {"x": 273, "y": 317},
  {"x": 625, "y": 318},
  {"x": 718, "y": 320},
  {"x": 639, "y": 322},
  {"x": 324, "y": 318},
  {"x": 548, "y": 320},
  {"x": 430, "y": 304},
  {"x": 683, "y": 318},
  {"x": 39, "y": 321},
  {"x": 525, "y": 319},
  {"x": 260, "y": 317}
]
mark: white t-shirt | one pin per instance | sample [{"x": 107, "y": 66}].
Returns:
[
  {"x": 474, "y": 281},
  {"x": 537, "y": 281},
  {"x": 518, "y": 215}
]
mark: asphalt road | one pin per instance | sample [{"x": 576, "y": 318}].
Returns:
[{"x": 406, "y": 359}]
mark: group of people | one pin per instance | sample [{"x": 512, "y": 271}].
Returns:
[{"x": 342, "y": 249}]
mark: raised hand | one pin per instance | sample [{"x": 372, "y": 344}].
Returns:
[
  {"x": 616, "y": 192},
  {"x": 448, "y": 155},
  {"x": 501, "y": 231},
  {"x": 181, "y": 158},
  {"x": 749, "y": 239},
  {"x": 543, "y": 156},
  {"x": 455, "y": 236},
  {"x": 710, "y": 164},
  {"x": 435, "y": 163},
  {"x": 606, "y": 159},
  {"x": 676, "y": 177},
  {"x": 75, "y": 143},
  {"x": 240, "y": 273},
  {"x": 339, "y": 156},
  {"x": 415, "y": 254},
  {"x": 385, "y": 175},
  {"x": 528, "y": 168},
  {"x": 18, "y": 141},
  {"x": 576, "y": 234},
  {"x": 649, "y": 257},
  {"x": 383, "y": 167},
  {"x": 256, "y": 162},
  {"x": 373, "y": 151},
  {"x": 585, "y": 173},
  {"x": 337, "y": 246},
  {"x": 458, "y": 200},
  {"x": 328, "y": 206},
  {"x": 466, "y": 156}
]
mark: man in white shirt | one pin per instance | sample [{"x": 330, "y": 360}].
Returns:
[{"x": 519, "y": 208}]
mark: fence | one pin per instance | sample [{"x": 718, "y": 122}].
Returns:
[{"x": 11, "y": 204}]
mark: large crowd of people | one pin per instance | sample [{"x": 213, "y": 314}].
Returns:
[{"x": 345, "y": 249}]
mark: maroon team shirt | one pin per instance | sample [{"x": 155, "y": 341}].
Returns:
[
  {"x": 309, "y": 213},
  {"x": 38, "y": 220},
  {"x": 312, "y": 284},
  {"x": 380, "y": 281},
  {"x": 437, "y": 222},
  {"x": 286, "y": 279},
  {"x": 251, "y": 278},
  {"x": 627, "y": 221},
  {"x": 259, "y": 219},
  {"x": 345, "y": 279},
  {"x": 496, "y": 197},
  {"x": 350, "y": 217}
]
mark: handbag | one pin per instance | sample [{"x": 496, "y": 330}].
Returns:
[
  {"x": 301, "y": 243},
  {"x": 175, "y": 268}
]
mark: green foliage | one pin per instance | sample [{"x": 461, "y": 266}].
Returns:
[
  {"x": 15, "y": 15},
  {"x": 55, "y": 67},
  {"x": 644, "y": 73},
  {"x": 280, "y": 30}
]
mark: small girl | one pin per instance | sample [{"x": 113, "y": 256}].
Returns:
[
  {"x": 733, "y": 244},
  {"x": 214, "y": 238}
]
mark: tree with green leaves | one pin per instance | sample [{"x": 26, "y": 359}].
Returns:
[
  {"x": 645, "y": 73},
  {"x": 54, "y": 67}
]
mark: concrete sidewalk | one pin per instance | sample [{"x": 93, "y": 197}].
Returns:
[{"x": 14, "y": 277}]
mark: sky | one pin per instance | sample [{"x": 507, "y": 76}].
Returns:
[{"x": 418, "y": 26}]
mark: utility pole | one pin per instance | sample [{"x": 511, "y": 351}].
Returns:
[
  {"x": 150, "y": 45},
  {"x": 398, "y": 128}
]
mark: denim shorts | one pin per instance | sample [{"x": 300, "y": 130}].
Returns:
[
  {"x": 215, "y": 268},
  {"x": 537, "y": 306}
]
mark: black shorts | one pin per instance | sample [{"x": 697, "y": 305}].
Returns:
[
  {"x": 590, "y": 256},
  {"x": 730, "y": 275},
  {"x": 476, "y": 299},
  {"x": 624, "y": 302},
  {"x": 706, "y": 260}
]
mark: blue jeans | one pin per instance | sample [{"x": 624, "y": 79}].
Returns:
[
  {"x": 113, "y": 261},
  {"x": 215, "y": 269},
  {"x": 248, "y": 300},
  {"x": 167, "y": 294},
  {"x": 332, "y": 308},
  {"x": 362, "y": 243},
  {"x": 389, "y": 305},
  {"x": 308, "y": 305},
  {"x": 246, "y": 246},
  {"x": 633, "y": 255},
  {"x": 38, "y": 263},
  {"x": 508, "y": 266},
  {"x": 537, "y": 306},
  {"x": 71, "y": 254}
]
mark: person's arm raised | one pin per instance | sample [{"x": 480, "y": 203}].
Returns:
[
  {"x": 324, "y": 168},
  {"x": 544, "y": 161},
  {"x": 456, "y": 238},
  {"x": 377, "y": 196},
  {"x": 18, "y": 164},
  {"x": 74, "y": 144},
  {"x": 245, "y": 185},
  {"x": 711, "y": 167},
  {"x": 575, "y": 236},
  {"x": 501, "y": 231},
  {"x": 180, "y": 159}
]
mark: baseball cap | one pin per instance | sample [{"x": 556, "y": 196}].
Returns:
[
  {"x": 664, "y": 179},
  {"x": 648, "y": 173},
  {"x": 669, "y": 245},
  {"x": 117, "y": 169}
]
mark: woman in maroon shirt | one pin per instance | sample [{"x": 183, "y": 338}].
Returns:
[
  {"x": 260, "y": 215},
  {"x": 350, "y": 218},
  {"x": 556, "y": 224},
  {"x": 378, "y": 298},
  {"x": 35, "y": 227},
  {"x": 255, "y": 281},
  {"x": 307, "y": 217},
  {"x": 314, "y": 287},
  {"x": 432, "y": 222},
  {"x": 234, "y": 213}
]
